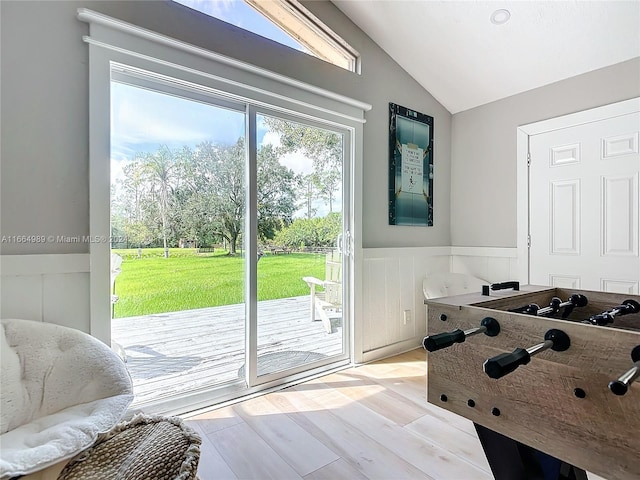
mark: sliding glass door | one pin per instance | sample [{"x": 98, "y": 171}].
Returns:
[
  {"x": 178, "y": 187},
  {"x": 302, "y": 310},
  {"x": 229, "y": 260}
]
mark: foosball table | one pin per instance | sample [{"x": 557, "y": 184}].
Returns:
[{"x": 546, "y": 375}]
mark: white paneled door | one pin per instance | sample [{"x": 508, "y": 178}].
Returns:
[{"x": 584, "y": 205}]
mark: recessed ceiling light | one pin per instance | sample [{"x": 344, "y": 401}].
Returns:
[{"x": 500, "y": 16}]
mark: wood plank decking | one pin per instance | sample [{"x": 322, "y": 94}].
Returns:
[{"x": 173, "y": 353}]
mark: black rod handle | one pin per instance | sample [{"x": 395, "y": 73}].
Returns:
[
  {"x": 530, "y": 309},
  {"x": 432, "y": 343},
  {"x": 575, "y": 300},
  {"x": 621, "y": 385},
  {"x": 505, "y": 363},
  {"x": 489, "y": 326}
]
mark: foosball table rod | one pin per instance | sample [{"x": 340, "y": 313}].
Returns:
[
  {"x": 505, "y": 363},
  {"x": 605, "y": 318},
  {"x": 621, "y": 385}
]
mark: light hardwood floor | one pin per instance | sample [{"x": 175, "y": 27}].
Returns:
[
  {"x": 367, "y": 422},
  {"x": 371, "y": 421}
]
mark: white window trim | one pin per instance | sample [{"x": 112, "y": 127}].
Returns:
[
  {"x": 115, "y": 41},
  {"x": 279, "y": 86}
]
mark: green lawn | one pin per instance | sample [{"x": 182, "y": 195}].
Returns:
[{"x": 186, "y": 280}]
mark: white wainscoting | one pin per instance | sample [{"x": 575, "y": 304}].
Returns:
[
  {"x": 392, "y": 283},
  {"x": 489, "y": 263},
  {"x": 55, "y": 288},
  {"x": 47, "y": 288}
]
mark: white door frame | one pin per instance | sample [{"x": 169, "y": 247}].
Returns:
[
  {"x": 114, "y": 41},
  {"x": 524, "y": 134}
]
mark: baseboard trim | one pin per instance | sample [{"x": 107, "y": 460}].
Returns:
[{"x": 391, "y": 350}]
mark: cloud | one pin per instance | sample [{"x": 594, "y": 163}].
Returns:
[
  {"x": 297, "y": 162},
  {"x": 117, "y": 169},
  {"x": 225, "y": 10},
  {"x": 142, "y": 120},
  {"x": 271, "y": 138}
]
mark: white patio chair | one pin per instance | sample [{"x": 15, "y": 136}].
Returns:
[
  {"x": 330, "y": 297},
  {"x": 116, "y": 269}
]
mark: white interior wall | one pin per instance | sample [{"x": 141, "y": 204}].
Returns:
[
  {"x": 483, "y": 158},
  {"x": 392, "y": 285}
]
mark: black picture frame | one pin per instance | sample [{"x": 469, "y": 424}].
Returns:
[{"x": 410, "y": 177}]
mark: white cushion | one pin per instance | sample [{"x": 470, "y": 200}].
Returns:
[
  {"x": 448, "y": 284},
  {"x": 60, "y": 388}
]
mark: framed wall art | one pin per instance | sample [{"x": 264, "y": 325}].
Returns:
[{"x": 410, "y": 167}]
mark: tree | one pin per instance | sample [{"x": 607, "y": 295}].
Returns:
[
  {"x": 314, "y": 232},
  {"x": 327, "y": 182},
  {"x": 228, "y": 202},
  {"x": 307, "y": 191},
  {"x": 199, "y": 194},
  {"x": 219, "y": 190},
  {"x": 132, "y": 210},
  {"x": 276, "y": 193},
  {"x": 161, "y": 168},
  {"x": 192, "y": 217},
  {"x": 322, "y": 146}
]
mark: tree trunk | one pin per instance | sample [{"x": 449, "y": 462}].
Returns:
[
  {"x": 164, "y": 235},
  {"x": 232, "y": 244},
  {"x": 309, "y": 200}
]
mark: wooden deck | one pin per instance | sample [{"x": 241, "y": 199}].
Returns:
[{"x": 173, "y": 353}]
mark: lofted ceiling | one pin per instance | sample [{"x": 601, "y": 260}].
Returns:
[{"x": 454, "y": 51}]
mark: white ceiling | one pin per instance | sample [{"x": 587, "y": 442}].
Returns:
[{"x": 454, "y": 51}]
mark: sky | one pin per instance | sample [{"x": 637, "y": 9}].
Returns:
[
  {"x": 143, "y": 120},
  {"x": 238, "y": 13}
]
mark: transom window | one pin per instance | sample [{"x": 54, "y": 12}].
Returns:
[{"x": 286, "y": 22}]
